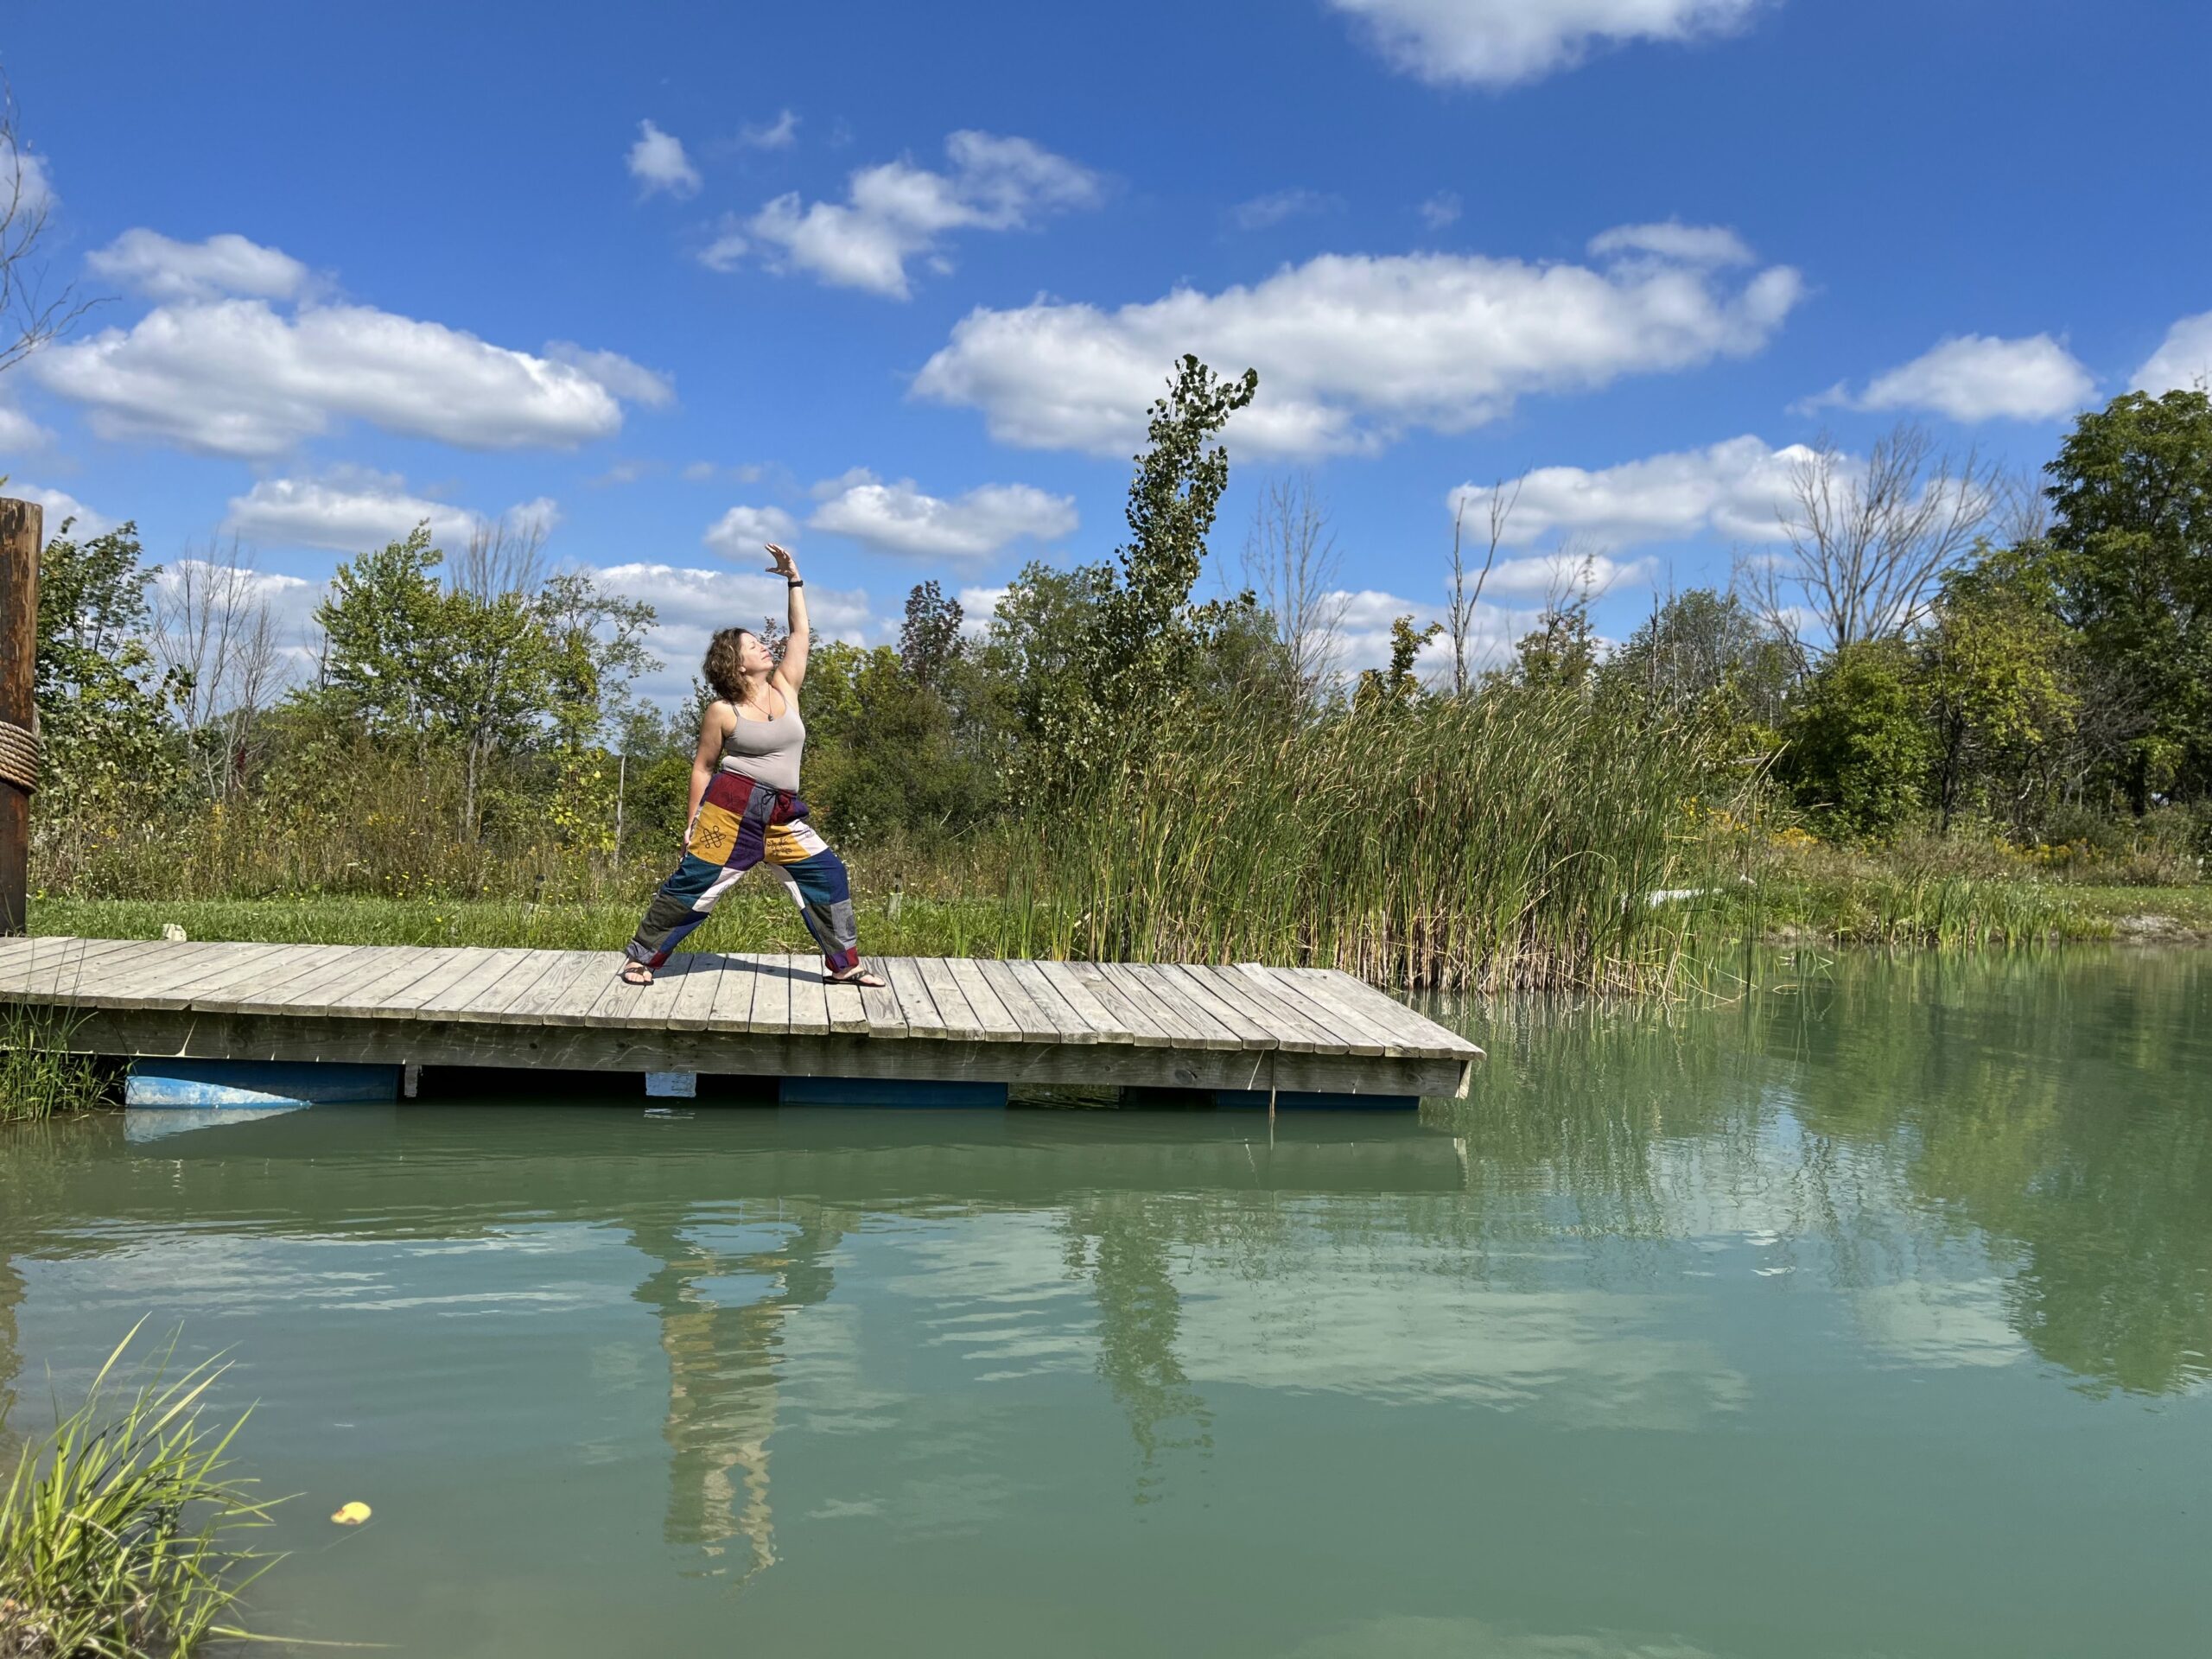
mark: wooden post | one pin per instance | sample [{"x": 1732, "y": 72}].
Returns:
[{"x": 22, "y": 527}]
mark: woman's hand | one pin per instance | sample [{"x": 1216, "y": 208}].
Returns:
[{"x": 783, "y": 566}]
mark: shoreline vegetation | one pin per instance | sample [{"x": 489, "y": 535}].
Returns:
[
  {"x": 119, "y": 1528},
  {"x": 1950, "y": 710}
]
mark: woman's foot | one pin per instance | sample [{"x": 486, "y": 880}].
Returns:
[
  {"x": 858, "y": 976},
  {"x": 636, "y": 973}
]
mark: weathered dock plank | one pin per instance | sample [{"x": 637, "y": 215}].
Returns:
[{"x": 1246, "y": 1026}]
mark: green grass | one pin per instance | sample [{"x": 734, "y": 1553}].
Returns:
[
  {"x": 39, "y": 1077},
  {"x": 117, "y": 1530}
]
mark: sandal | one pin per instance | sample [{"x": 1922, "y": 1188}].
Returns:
[
  {"x": 636, "y": 973},
  {"x": 858, "y": 976}
]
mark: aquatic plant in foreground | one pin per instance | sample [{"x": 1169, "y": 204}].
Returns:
[
  {"x": 115, "y": 1530},
  {"x": 39, "y": 1075}
]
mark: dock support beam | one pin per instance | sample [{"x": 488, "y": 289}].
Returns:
[{"x": 22, "y": 530}]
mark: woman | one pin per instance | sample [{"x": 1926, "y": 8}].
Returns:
[{"x": 745, "y": 805}]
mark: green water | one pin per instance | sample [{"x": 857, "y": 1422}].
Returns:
[{"x": 1869, "y": 1315}]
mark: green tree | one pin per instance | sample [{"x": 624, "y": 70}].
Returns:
[
  {"x": 1127, "y": 640},
  {"x": 2130, "y": 491},
  {"x": 1701, "y": 647},
  {"x": 1859, "y": 745},
  {"x": 383, "y": 620},
  {"x": 104, "y": 708},
  {"x": 488, "y": 667},
  {"x": 1379, "y": 689},
  {"x": 1995, "y": 661},
  {"x": 929, "y": 640}
]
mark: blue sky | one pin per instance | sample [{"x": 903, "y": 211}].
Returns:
[{"x": 895, "y": 282}]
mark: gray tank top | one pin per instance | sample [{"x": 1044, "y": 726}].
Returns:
[{"x": 768, "y": 750}]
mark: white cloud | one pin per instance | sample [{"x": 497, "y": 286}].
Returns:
[
  {"x": 977, "y": 606},
  {"x": 625, "y": 380},
  {"x": 60, "y": 504},
  {"x": 25, "y": 181},
  {"x": 353, "y": 511},
  {"x": 1277, "y": 205},
  {"x": 1353, "y": 349},
  {"x": 1441, "y": 209},
  {"x": 727, "y": 251},
  {"x": 2183, "y": 359},
  {"x": 1733, "y": 491},
  {"x": 896, "y": 211},
  {"x": 1688, "y": 244},
  {"x": 739, "y": 533},
  {"x": 1974, "y": 378},
  {"x": 690, "y": 605},
  {"x": 161, "y": 268},
  {"x": 900, "y": 519},
  {"x": 1496, "y": 43},
  {"x": 18, "y": 432},
  {"x": 779, "y": 134},
  {"x": 657, "y": 162},
  {"x": 238, "y": 378}
]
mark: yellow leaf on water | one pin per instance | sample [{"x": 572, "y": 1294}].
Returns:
[{"x": 352, "y": 1514}]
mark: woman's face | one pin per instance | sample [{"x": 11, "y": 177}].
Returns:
[{"x": 752, "y": 657}]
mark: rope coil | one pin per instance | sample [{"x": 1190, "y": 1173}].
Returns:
[{"x": 19, "y": 756}]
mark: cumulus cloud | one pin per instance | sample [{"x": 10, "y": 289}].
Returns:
[
  {"x": 1735, "y": 490},
  {"x": 24, "y": 180},
  {"x": 659, "y": 164},
  {"x": 896, "y": 211},
  {"x": 727, "y": 251},
  {"x": 1974, "y": 378},
  {"x": 779, "y": 134},
  {"x": 900, "y": 519},
  {"x": 18, "y": 432},
  {"x": 1353, "y": 349},
  {"x": 161, "y": 268},
  {"x": 977, "y": 606},
  {"x": 351, "y": 512},
  {"x": 1690, "y": 244},
  {"x": 1441, "y": 209},
  {"x": 690, "y": 605},
  {"x": 741, "y": 532},
  {"x": 239, "y": 377},
  {"x": 1497, "y": 43},
  {"x": 60, "y": 505},
  {"x": 1262, "y": 212},
  {"x": 2183, "y": 359},
  {"x": 633, "y": 382}
]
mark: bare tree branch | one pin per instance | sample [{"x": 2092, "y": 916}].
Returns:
[
  {"x": 30, "y": 316},
  {"x": 214, "y": 629},
  {"x": 1866, "y": 545},
  {"x": 1291, "y": 561},
  {"x": 1461, "y": 616}
]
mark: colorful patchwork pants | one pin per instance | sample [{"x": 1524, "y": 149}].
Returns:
[{"x": 739, "y": 824}]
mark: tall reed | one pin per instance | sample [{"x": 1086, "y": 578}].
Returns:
[
  {"x": 40, "y": 1077},
  {"x": 116, "y": 1532},
  {"x": 1507, "y": 840}
]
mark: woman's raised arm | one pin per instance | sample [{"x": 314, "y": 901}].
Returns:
[{"x": 793, "y": 667}]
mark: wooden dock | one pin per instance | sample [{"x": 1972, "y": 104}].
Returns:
[{"x": 1129, "y": 1025}]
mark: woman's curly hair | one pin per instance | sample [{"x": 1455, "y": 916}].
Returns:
[{"x": 721, "y": 668}]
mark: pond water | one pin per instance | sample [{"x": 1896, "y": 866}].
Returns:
[{"x": 1868, "y": 1314}]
